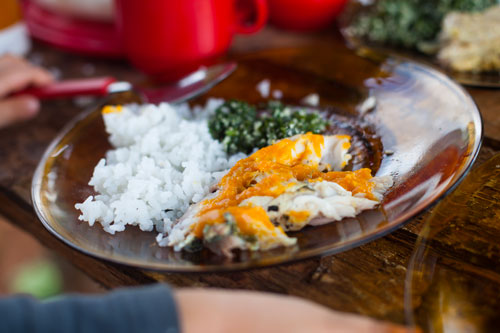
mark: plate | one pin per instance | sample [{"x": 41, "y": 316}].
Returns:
[
  {"x": 79, "y": 35},
  {"x": 425, "y": 131},
  {"x": 354, "y": 8}
]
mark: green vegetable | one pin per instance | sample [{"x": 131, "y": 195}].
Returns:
[
  {"x": 411, "y": 24},
  {"x": 241, "y": 129}
]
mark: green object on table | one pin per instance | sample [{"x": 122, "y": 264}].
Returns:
[
  {"x": 240, "y": 128},
  {"x": 413, "y": 24},
  {"x": 41, "y": 279}
]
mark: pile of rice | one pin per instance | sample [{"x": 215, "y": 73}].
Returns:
[{"x": 164, "y": 159}]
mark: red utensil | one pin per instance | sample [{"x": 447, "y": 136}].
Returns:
[
  {"x": 68, "y": 88},
  {"x": 189, "y": 87}
]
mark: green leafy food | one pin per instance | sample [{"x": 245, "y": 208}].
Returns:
[
  {"x": 241, "y": 129},
  {"x": 411, "y": 24}
]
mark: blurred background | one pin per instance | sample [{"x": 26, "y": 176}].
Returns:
[
  {"x": 28, "y": 267},
  {"x": 102, "y": 29}
]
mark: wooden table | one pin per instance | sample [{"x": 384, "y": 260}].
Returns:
[{"x": 368, "y": 280}]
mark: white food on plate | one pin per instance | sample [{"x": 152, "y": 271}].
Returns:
[
  {"x": 165, "y": 169},
  {"x": 368, "y": 105},
  {"x": 264, "y": 88},
  {"x": 311, "y": 100},
  {"x": 259, "y": 221},
  {"x": 277, "y": 94},
  {"x": 471, "y": 41},
  {"x": 161, "y": 163}
]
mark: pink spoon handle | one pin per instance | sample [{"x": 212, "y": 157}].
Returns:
[{"x": 69, "y": 88}]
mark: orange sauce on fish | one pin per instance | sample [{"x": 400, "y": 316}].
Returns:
[
  {"x": 298, "y": 216},
  {"x": 354, "y": 181},
  {"x": 250, "y": 221},
  {"x": 270, "y": 172},
  {"x": 112, "y": 109}
]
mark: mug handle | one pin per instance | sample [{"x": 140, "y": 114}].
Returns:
[{"x": 261, "y": 13}]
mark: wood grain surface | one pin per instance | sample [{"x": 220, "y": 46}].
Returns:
[
  {"x": 368, "y": 280},
  {"x": 453, "y": 280}
]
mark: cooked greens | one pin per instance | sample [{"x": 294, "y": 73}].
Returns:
[
  {"x": 241, "y": 128},
  {"x": 412, "y": 24}
]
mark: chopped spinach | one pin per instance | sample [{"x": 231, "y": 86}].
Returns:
[
  {"x": 241, "y": 128},
  {"x": 411, "y": 24}
]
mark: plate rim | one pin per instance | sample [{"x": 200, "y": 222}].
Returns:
[{"x": 280, "y": 259}]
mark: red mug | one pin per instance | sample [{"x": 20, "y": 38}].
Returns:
[{"x": 169, "y": 38}]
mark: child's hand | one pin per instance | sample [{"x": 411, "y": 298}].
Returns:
[
  {"x": 17, "y": 74},
  {"x": 213, "y": 310}
]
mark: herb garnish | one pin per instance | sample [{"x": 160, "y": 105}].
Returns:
[
  {"x": 412, "y": 24},
  {"x": 241, "y": 129}
]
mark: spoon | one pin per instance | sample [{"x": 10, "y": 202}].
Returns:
[{"x": 186, "y": 88}]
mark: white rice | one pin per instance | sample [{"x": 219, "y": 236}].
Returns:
[
  {"x": 264, "y": 88},
  {"x": 277, "y": 94},
  {"x": 164, "y": 159},
  {"x": 367, "y": 105},
  {"x": 311, "y": 100}
]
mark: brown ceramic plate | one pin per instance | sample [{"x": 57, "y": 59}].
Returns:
[
  {"x": 490, "y": 79},
  {"x": 427, "y": 125}
]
